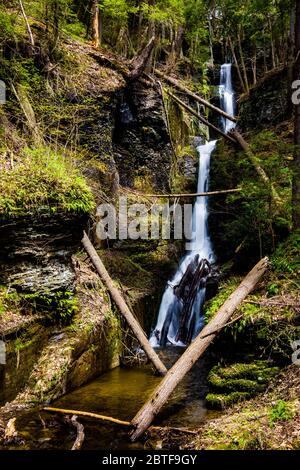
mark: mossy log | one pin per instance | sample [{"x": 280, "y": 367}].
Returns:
[
  {"x": 161, "y": 394},
  {"x": 124, "y": 309}
]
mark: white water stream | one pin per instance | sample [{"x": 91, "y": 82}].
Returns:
[{"x": 168, "y": 321}]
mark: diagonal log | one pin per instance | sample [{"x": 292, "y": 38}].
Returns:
[
  {"x": 158, "y": 398},
  {"x": 201, "y": 118},
  {"x": 124, "y": 309},
  {"x": 110, "y": 419},
  {"x": 198, "y": 98},
  {"x": 193, "y": 195},
  {"x": 31, "y": 39}
]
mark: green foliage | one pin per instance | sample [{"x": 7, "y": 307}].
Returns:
[
  {"x": 286, "y": 259},
  {"x": 118, "y": 9},
  {"x": 250, "y": 221},
  {"x": 6, "y": 25},
  {"x": 42, "y": 181},
  {"x": 281, "y": 411},
  {"x": 60, "y": 305},
  {"x": 225, "y": 290}
]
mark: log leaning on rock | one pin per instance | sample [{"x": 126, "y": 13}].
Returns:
[
  {"x": 158, "y": 398},
  {"x": 123, "y": 307}
]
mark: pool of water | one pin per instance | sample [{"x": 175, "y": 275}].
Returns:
[{"x": 119, "y": 394}]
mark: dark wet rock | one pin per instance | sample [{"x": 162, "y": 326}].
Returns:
[
  {"x": 35, "y": 255},
  {"x": 141, "y": 139},
  {"x": 267, "y": 104}
]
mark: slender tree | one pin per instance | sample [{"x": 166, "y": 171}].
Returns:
[
  {"x": 31, "y": 39},
  {"x": 96, "y": 23}
]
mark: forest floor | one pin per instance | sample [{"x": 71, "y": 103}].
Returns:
[{"x": 269, "y": 421}]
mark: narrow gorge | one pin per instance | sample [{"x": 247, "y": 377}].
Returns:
[{"x": 165, "y": 134}]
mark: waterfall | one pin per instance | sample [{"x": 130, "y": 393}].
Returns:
[
  {"x": 172, "y": 306},
  {"x": 227, "y": 96}
]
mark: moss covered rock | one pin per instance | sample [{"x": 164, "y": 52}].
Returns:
[
  {"x": 42, "y": 182},
  {"x": 238, "y": 382}
]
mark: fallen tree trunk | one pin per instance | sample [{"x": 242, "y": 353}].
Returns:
[
  {"x": 209, "y": 193},
  {"x": 109, "y": 419},
  {"x": 140, "y": 62},
  {"x": 255, "y": 161},
  {"x": 124, "y": 309},
  {"x": 188, "y": 92},
  {"x": 80, "y": 432},
  {"x": 202, "y": 119},
  {"x": 161, "y": 394}
]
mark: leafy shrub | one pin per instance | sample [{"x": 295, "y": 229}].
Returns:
[{"x": 281, "y": 411}]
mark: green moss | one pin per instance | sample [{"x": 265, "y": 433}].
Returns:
[
  {"x": 226, "y": 289},
  {"x": 60, "y": 305},
  {"x": 238, "y": 382},
  {"x": 229, "y": 385},
  {"x": 222, "y": 401},
  {"x": 42, "y": 181},
  {"x": 258, "y": 370}
]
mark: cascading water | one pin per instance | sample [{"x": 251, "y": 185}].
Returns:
[
  {"x": 227, "y": 96},
  {"x": 170, "y": 327}
]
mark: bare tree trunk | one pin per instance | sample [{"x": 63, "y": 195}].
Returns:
[
  {"x": 291, "y": 53},
  {"x": 80, "y": 432},
  {"x": 21, "y": 95},
  {"x": 31, "y": 39},
  {"x": 243, "y": 63},
  {"x": 192, "y": 195},
  {"x": 254, "y": 66},
  {"x": 272, "y": 43},
  {"x": 176, "y": 47},
  {"x": 158, "y": 398},
  {"x": 96, "y": 24},
  {"x": 296, "y": 163},
  {"x": 120, "y": 302},
  {"x": 237, "y": 64}
]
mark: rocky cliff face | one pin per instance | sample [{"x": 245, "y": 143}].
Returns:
[
  {"x": 267, "y": 103},
  {"x": 141, "y": 141},
  {"x": 56, "y": 321},
  {"x": 35, "y": 254}
]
